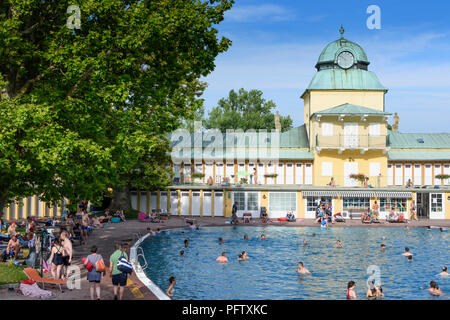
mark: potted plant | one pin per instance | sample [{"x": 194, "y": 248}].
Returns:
[
  {"x": 359, "y": 177},
  {"x": 270, "y": 175},
  {"x": 243, "y": 180},
  {"x": 442, "y": 177}
]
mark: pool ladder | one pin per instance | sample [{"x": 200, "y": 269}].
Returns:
[{"x": 140, "y": 253}]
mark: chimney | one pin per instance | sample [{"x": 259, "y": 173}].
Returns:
[
  {"x": 277, "y": 122},
  {"x": 396, "y": 122}
]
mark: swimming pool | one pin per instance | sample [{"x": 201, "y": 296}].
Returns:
[{"x": 271, "y": 273}]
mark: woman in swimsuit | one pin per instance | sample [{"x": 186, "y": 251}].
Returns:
[
  {"x": 56, "y": 258},
  {"x": 351, "y": 294}
]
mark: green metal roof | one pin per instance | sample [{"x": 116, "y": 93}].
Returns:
[
  {"x": 351, "y": 79},
  {"x": 293, "y": 138},
  {"x": 351, "y": 109},
  {"x": 421, "y": 155},
  {"x": 293, "y": 144},
  {"x": 397, "y": 140},
  {"x": 331, "y": 50}
]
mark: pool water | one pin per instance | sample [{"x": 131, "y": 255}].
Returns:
[{"x": 271, "y": 272}]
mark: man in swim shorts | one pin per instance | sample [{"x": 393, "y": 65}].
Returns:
[
  {"x": 444, "y": 272},
  {"x": 407, "y": 253},
  {"x": 222, "y": 258},
  {"x": 84, "y": 226},
  {"x": 301, "y": 269}
]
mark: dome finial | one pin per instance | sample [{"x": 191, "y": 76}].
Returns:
[{"x": 341, "y": 31}]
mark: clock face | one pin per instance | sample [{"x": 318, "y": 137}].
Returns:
[{"x": 345, "y": 60}]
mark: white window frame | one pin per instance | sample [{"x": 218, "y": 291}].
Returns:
[
  {"x": 327, "y": 129},
  {"x": 327, "y": 169},
  {"x": 374, "y": 129}
]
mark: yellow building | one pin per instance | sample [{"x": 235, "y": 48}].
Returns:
[{"x": 345, "y": 132}]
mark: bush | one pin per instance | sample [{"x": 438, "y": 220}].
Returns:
[{"x": 11, "y": 274}]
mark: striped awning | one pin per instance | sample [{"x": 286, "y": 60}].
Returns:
[
  {"x": 357, "y": 194},
  {"x": 321, "y": 193},
  {"x": 403, "y": 195}
]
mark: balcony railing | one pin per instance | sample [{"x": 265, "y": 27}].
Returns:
[{"x": 351, "y": 141}]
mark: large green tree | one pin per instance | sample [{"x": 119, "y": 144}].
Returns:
[
  {"x": 83, "y": 109},
  {"x": 245, "y": 110}
]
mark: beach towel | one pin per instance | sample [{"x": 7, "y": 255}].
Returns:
[{"x": 32, "y": 290}]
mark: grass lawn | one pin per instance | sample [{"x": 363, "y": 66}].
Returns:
[{"x": 11, "y": 273}]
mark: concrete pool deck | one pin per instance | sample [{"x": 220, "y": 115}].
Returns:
[{"x": 127, "y": 232}]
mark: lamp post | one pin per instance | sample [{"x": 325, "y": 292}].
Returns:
[{"x": 42, "y": 234}]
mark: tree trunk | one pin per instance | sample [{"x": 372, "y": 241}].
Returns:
[
  {"x": 2, "y": 204},
  {"x": 121, "y": 199}
]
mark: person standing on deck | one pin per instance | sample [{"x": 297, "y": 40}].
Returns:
[{"x": 119, "y": 279}]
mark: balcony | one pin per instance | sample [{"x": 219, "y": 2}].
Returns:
[{"x": 343, "y": 142}]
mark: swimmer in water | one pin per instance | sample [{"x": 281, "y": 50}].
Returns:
[
  {"x": 428, "y": 228},
  {"x": 263, "y": 237},
  {"x": 240, "y": 257},
  {"x": 301, "y": 269},
  {"x": 186, "y": 242},
  {"x": 305, "y": 243},
  {"x": 444, "y": 272},
  {"x": 223, "y": 258},
  {"x": 158, "y": 231},
  {"x": 220, "y": 240},
  {"x": 410, "y": 258},
  {"x": 383, "y": 247},
  {"x": 339, "y": 244},
  {"x": 407, "y": 253},
  {"x": 245, "y": 256},
  {"x": 434, "y": 289},
  {"x": 170, "y": 288},
  {"x": 351, "y": 294},
  {"x": 181, "y": 252},
  {"x": 245, "y": 237}
]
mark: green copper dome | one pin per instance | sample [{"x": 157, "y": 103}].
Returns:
[{"x": 333, "y": 49}]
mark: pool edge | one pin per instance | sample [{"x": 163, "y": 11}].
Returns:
[{"x": 141, "y": 274}]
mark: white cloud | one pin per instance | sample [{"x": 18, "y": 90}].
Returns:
[{"x": 252, "y": 13}]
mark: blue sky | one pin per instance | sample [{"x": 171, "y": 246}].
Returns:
[{"x": 276, "y": 45}]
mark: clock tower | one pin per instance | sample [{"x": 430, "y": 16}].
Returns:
[{"x": 342, "y": 77}]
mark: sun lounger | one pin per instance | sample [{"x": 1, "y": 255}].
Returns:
[{"x": 33, "y": 275}]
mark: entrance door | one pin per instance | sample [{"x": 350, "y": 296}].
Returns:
[
  {"x": 230, "y": 172},
  {"x": 289, "y": 173},
  {"x": 417, "y": 175},
  {"x": 350, "y": 134},
  {"x": 447, "y": 172},
  {"x": 423, "y": 205},
  {"x": 184, "y": 210},
  {"x": 209, "y": 171},
  {"x": 207, "y": 204},
  {"x": 298, "y": 173},
  {"x": 437, "y": 170},
  {"x": 350, "y": 168},
  {"x": 261, "y": 172},
  {"x": 195, "y": 207},
  {"x": 398, "y": 175},
  {"x": 408, "y": 173},
  {"x": 390, "y": 175},
  {"x": 174, "y": 203},
  {"x": 218, "y": 204},
  {"x": 428, "y": 175},
  {"x": 280, "y": 174},
  {"x": 308, "y": 173},
  {"x": 163, "y": 201}
]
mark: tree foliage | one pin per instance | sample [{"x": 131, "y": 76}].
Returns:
[
  {"x": 245, "y": 110},
  {"x": 86, "y": 109}
]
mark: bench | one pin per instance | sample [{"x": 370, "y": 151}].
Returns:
[{"x": 246, "y": 217}]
